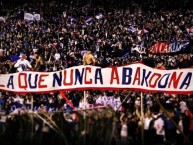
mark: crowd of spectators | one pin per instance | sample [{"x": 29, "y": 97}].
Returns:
[
  {"x": 51, "y": 122},
  {"x": 67, "y": 30}
]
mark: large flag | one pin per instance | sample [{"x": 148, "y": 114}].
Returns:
[{"x": 166, "y": 48}]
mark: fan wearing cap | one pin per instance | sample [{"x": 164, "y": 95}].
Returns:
[
  {"x": 88, "y": 58},
  {"x": 22, "y": 63}
]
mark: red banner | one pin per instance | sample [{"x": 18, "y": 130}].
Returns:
[{"x": 159, "y": 47}]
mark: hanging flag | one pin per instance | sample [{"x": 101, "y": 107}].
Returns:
[{"x": 166, "y": 47}]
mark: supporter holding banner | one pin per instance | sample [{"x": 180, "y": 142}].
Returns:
[
  {"x": 22, "y": 63},
  {"x": 134, "y": 76}
]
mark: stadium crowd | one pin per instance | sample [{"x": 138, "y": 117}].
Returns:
[{"x": 66, "y": 32}]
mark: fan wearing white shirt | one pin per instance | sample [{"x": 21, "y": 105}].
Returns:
[
  {"x": 160, "y": 132},
  {"x": 147, "y": 119},
  {"x": 57, "y": 56},
  {"x": 183, "y": 106},
  {"x": 22, "y": 64},
  {"x": 124, "y": 129}
]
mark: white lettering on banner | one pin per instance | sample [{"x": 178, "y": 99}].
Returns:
[
  {"x": 164, "y": 47},
  {"x": 175, "y": 47},
  {"x": 134, "y": 76}
]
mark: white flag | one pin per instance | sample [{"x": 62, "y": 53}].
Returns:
[
  {"x": 28, "y": 16},
  {"x": 99, "y": 16},
  {"x": 37, "y": 17},
  {"x": 64, "y": 14},
  {"x": 139, "y": 49}
]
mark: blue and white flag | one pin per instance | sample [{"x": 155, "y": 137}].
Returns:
[
  {"x": 31, "y": 17},
  {"x": 132, "y": 29},
  {"x": 28, "y": 17},
  {"x": 37, "y": 17},
  {"x": 89, "y": 20},
  {"x": 178, "y": 46}
]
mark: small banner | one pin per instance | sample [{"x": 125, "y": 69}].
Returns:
[{"x": 166, "y": 48}]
